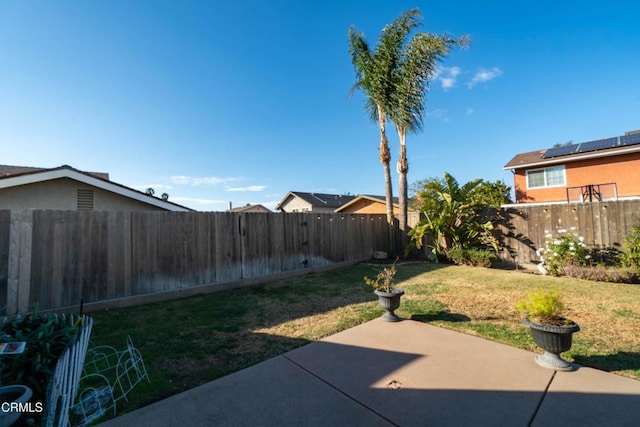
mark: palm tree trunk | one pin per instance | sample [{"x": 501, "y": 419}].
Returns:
[
  {"x": 385, "y": 157},
  {"x": 402, "y": 168}
]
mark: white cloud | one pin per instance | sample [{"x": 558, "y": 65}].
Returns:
[
  {"x": 470, "y": 111},
  {"x": 211, "y": 180},
  {"x": 248, "y": 188},
  {"x": 447, "y": 76},
  {"x": 484, "y": 76}
]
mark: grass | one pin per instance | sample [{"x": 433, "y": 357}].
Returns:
[{"x": 191, "y": 341}]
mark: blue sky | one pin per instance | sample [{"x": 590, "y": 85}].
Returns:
[{"x": 242, "y": 101}]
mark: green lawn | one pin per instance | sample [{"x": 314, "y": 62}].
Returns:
[{"x": 191, "y": 341}]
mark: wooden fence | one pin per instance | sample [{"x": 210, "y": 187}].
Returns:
[
  {"x": 602, "y": 224},
  {"x": 59, "y": 258}
]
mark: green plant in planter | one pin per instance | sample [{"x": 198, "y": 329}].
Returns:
[
  {"x": 388, "y": 294},
  {"x": 544, "y": 306},
  {"x": 383, "y": 282},
  {"x": 550, "y": 330}
]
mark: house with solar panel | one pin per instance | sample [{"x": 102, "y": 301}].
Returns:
[{"x": 599, "y": 170}]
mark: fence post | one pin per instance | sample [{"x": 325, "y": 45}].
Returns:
[{"x": 19, "y": 262}]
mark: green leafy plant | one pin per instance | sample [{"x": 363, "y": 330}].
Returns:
[
  {"x": 383, "y": 282},
  {"x": 454, "y": 215},
  {"x": 46, "y": 338},
  {"x": 473, "y": 257},
  {"x": 544, "y": 306},
  {"x": 631, "y": 245},
  {"x": 566, "y": 248}
]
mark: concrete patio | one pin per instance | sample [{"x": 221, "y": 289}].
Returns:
[{"x": 403, "y": 374}]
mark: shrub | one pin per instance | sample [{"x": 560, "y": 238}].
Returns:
[
  {"x": 562, "y": 250},
  {"x": 543, "y": 306},
  {"x": 474, "y": 257},
  {"x": 46, "y": 338},
  {"x": 601, "y": 273},
  {"x": 384, "y": 280},
  {"x": 631, "y": 245}
]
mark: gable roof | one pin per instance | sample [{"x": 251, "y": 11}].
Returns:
[
  {"x": 26, "y": 175},
  {"x": 250, "y": 208},
  {"x": 318, "y": 199},
  {"x": 536, "y": 158},
  {"x": 379, "y": 199},
  {"x": 8, "y": 170}
]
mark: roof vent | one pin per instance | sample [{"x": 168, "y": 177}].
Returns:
[{"x": 85, "y": 199}]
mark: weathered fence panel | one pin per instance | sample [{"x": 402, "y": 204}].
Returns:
[
  {"x": 59, "y": 259},
  {"x": 604, "y": 225}
]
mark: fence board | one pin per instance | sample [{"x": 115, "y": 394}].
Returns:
[
  {"x": 602, "y": 224},
  {"x": 5, "y": 227}
]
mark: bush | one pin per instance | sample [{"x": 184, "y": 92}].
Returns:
[
  {"x": 600, "y": 273},
  {"x": 46, "y": 338},
  {"x": 474, "y": 257},
  {"x": 631, "y": 245},
  {"x": 563, "y": 250},
  {"x": 543, "y": 306}
]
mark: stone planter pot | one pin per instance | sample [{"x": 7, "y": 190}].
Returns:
[
  {"x": 390, "y": 301},
  {"x": 553, "y": 340},
  {"x": 13, "y": 393}
]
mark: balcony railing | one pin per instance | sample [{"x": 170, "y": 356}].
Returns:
[{"x": 592, "y": 193}]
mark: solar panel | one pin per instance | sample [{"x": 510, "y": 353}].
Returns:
[
  {"x": 559, "y": 151},
  {"x": 630, "y": 139},
  {"x": 600, "y": 144}
]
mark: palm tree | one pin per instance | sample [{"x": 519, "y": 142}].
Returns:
[
  {"x": 376, "y": 76},
  {"x": 415, "y": 68}
]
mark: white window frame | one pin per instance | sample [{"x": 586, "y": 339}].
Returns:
[{"x": 546, "y": 185}]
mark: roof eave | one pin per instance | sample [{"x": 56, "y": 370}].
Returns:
[
  {"x": 574, "y": 158},
  {"x": 71, "y": 173}
]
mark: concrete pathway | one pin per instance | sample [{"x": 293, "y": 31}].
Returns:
[{"x": 400, "y": 374}]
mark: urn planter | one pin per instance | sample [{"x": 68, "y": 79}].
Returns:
[
  {"x": 390, "y": 301},
  {"x": 553, "y": 340},
  {"x": 13, "y": 393}
]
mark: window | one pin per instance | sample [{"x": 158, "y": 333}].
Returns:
[{"x": 548, "y": 177}]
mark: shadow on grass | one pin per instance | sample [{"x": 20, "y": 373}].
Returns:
[
  {"x": 187, "y": 342},
  {"x": 624, "y": 360}
]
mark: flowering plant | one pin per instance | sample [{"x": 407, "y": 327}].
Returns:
[{"x": 566, "y": 248}]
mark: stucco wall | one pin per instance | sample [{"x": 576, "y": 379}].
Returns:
[
  {"x": 296, "y": 204},
  {"x": 62, "y": 194},
  {"x": 623, "y": 170},
  {"x": 365, "y": 206}
]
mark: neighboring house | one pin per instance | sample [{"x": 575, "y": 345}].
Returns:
[
  {"x": 250, "y": 208},
  {"x": 296, "y": 201},
  {"x": 368, "y": 204},
  {"x": 605, "y": 169},
  {"x": 66, "y": 188}
]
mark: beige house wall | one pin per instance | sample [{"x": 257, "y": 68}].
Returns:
[
  {"x": 366, "y": 206},
  {"x": 62, "y": 194}
]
